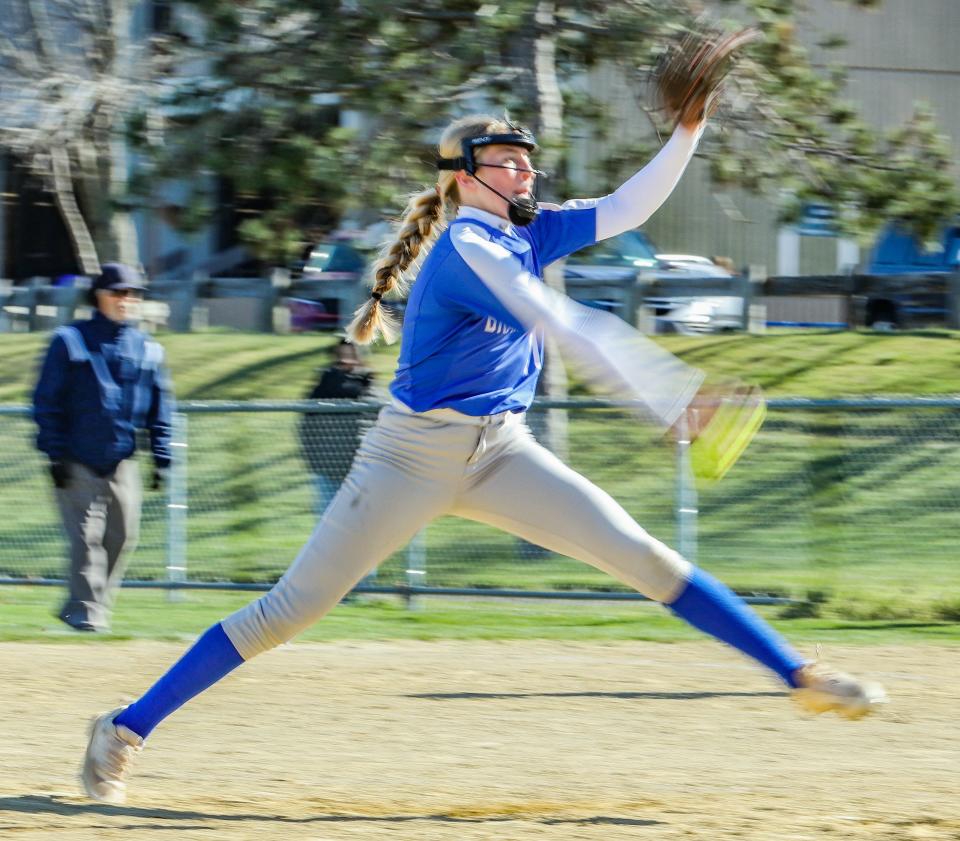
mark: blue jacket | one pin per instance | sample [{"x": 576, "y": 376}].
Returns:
[{"x": 93, "y": 395}]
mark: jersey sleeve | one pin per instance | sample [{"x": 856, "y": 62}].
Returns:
[
  {"x": 467, "y": 290},
  {"x": 612, "y": 357},
  {"x": 160, "y": 417},
  {"x": 560, "y": 230},
  {"x": 49, "y": 409}
]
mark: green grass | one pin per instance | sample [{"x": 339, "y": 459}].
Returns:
[
  {"x": 863, "y": 509},
  {"x": 832, "y": 363},
  {"x": 208, "y": 365},
  {"x": 26, "y": 614},
  {"x": 220, "y": 364}
]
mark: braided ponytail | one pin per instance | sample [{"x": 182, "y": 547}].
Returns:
[{"x": 421, "y": 222}]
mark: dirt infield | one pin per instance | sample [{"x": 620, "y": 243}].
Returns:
[{"x": 482, "y": 740}]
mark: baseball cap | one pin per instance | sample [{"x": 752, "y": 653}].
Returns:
[{"x": 119, "y": 276}]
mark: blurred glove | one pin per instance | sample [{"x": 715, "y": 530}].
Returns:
[
  {"x": 688, "y": 79},
  {"x": 60, "y": 473},
  {"x": 159, "y": 480}
]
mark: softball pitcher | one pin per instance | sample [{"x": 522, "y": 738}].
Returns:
[{"x": 454, "y": 440}]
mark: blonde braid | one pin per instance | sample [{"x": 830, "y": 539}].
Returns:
[{"x": 419, "y": 226}]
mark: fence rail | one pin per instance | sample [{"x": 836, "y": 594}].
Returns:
[
  {"x": 260, "y": 304},
  {"x": 831, "y": 492}
]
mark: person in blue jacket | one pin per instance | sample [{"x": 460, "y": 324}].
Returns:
[
  {"x": 101, "y": 380},
  {"x": 453, "y": 439}
]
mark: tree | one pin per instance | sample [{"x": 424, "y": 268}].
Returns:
[
  {"x": 70, "y": 73},
  {"x": 262, "y": 110}
]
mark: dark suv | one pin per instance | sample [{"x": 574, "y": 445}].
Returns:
[{"x": 922, "y": 297}]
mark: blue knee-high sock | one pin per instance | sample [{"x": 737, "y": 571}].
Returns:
[
  {"x": 210, "y": 658},
  {"x": 715, "y": 609}
]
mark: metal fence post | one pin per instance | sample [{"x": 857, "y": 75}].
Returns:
[
  {"x": 181, "y": 298},
  {"x": 32, "y": 302},
  {"x": 267, "y": 297},
  {"x": 416, "y": 565},
  {"x": 686, "y": 502},
  {"x": 177, "y": 508},
  {"x": 65, "y": 299},
  {"x": 953, "y": 301}
]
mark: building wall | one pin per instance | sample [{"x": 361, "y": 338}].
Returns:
[{"x": 903, "y": 52}]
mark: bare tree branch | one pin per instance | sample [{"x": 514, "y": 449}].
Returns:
[
  {"x": 73, "y": 78},
  {"x": 66, "y": 201}
]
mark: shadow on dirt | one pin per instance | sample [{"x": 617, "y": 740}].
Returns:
[{"x": 52, "y": 805}]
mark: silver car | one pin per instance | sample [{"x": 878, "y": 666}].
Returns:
[{"x": 602, "y": 276}]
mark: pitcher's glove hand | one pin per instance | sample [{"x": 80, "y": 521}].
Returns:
[
  {"x": 688, "y": 78},
  {"x": 60, "y": 473},
  {"x": 159, "y": 481}
]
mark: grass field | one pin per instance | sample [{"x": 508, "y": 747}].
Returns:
[
  {"x": 223, "y": 365},
  {"x": 855, "y": 515},
  {"x": 26, "y": 613}
]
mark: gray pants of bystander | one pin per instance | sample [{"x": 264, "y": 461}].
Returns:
[{"x": 101, "y": 517}]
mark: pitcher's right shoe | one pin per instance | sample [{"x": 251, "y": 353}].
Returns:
[
  {"x": 109, "y": 755},
  {"x": 821, "y": 689}
]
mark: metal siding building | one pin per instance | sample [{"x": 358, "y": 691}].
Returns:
[{"x": 903, "y": 52}]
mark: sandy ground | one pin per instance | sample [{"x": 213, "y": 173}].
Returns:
[{"x": 483, "y": 740}]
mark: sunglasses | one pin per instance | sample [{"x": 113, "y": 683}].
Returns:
[{"x": 125, "y": 293}]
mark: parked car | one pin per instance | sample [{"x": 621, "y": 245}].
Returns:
[
  {"x": 333, "y": 261},
  {"x": 623, "y": 260},
  {"x": 325, "y": 286},
  {"x": 898, "y": 252}
]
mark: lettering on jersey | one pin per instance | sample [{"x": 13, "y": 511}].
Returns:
[
  {"x": 491, "y": 325},
  {"x": 534, "y": 341}
]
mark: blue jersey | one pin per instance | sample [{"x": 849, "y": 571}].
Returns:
[{"x": 462, "y": 348}]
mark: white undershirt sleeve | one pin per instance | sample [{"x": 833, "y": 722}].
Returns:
[
  {"x": 611, "y": 356},
  {"x": 640, "y": 196},
  {"x": 636, "y": 200}
]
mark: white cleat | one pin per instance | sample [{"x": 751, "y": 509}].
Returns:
[
  {"x": 821, "y": 689},
  {"x": 108, "y": 759}
]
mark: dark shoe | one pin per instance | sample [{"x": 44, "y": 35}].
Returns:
[{"x": 79, "y": 624}]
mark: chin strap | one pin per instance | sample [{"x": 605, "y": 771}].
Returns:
[{"x": 520, "y": 211}]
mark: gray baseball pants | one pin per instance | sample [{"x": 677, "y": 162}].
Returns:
[
  {"x": 413, "y": 467},
  {"x": 101, "y": 516}
]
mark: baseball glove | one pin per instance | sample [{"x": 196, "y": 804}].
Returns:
[
  {"x": 722, "y": 423},
  {"x": 687, "y": 80}
]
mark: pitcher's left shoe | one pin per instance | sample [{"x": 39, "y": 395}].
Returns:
[{"x": 109, "y": 757}]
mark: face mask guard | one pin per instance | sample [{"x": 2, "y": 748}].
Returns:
[{"x": 521, "y": 211}]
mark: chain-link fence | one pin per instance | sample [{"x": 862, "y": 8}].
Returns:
[{"x": 829, "y": 493}]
